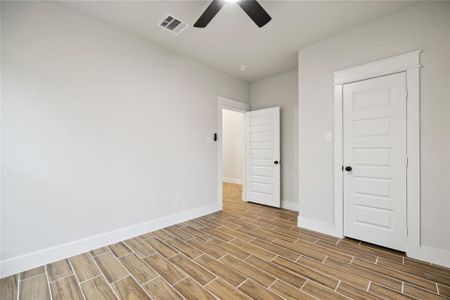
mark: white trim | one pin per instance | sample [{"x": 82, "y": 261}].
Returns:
[
  {"x": 31, "y": 260},
  {"x": 430, "y": 254},
  {"x": 232, "y": 104},
  {"x": 413, "y": 154},
  {"x": 225, "y": 103},
  {"x": 316, "y": 225},
  {"x": 338, "y": 161},
  {"x": 232, "y": 180},
  {"x": 383, "y": 67},
  {"x": 409, "y": 63},
  {"x": 415, "y": 248},
  {"x": 290, "y": 205}
]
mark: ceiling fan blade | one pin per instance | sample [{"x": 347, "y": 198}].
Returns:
[
  {"x": 209, "y": 13},
  {"x": 255, "y": 11}
]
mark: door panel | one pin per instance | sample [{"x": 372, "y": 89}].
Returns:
[
  {"x": 262, "y": 131},
  {"x": 375, "y": 148}
]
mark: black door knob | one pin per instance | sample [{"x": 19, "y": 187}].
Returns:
[
  {"x": 348, "y": 168},
  {"x": 276, "y": 162}
]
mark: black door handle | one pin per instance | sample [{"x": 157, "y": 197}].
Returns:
[
  {"x": 276, "y": 162},
  {"x": 348, "y": 168}
]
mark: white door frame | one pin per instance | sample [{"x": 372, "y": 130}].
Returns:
[
  {"x": 225, "y": 103},
  {"x": 410, "y": 64}
]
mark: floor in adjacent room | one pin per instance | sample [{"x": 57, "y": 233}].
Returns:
[{"x": 246, "y": 250}]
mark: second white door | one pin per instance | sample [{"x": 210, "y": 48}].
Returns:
[
  {"x": 375, "y": 161},
  {"x": 262, "y": 156}
]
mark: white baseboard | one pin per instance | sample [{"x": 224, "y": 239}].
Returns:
[
  {"x": 319, "y": 226},
  {"x": 424, "y": 253},
  {"x": 31, "y": 260},
  {"x": 232, "y": 180},
  {"x": 430, "y": 254},
  {"x": 289, "y": 205}
]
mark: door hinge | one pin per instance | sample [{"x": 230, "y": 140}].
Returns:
[
  {"x": 406, "y": 94},
  {"x": 406, "y": 161},
  {"x": 407, "y": 230}
]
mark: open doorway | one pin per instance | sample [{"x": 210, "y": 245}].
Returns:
[
  {"x": 233, "y": 155},
  {"x": 249, "y": 154},
  {"x": 231, "y": 179}
]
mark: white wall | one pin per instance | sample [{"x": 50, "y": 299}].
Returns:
[
  {"x": 282, "y": 90},
  {"x": 101, "y": 130},
  {"x": 424, "y": 26},
  {"x": 233, "y": 146}
]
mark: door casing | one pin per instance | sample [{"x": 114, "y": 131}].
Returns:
[{"x": 410, "y": 64}]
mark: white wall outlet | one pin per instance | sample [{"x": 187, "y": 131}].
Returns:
[{"x": 328, "y": 137}]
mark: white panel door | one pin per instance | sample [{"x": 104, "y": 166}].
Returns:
[
  {"x": 375, "y": 161},
  {"x": 262, "y": 156}
]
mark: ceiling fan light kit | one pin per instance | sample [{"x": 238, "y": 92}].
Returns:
[{"x": 251, "y": 7}]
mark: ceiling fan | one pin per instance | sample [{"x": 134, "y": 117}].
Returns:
[{"x": 251, "y": 7}]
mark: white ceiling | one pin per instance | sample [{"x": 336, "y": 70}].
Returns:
[{"x": 232, "y": 39}]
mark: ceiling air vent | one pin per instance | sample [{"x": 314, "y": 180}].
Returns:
[{"x": 172, "y": 24}]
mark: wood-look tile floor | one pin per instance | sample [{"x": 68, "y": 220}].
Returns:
[{"x": 246, "y": 251}]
